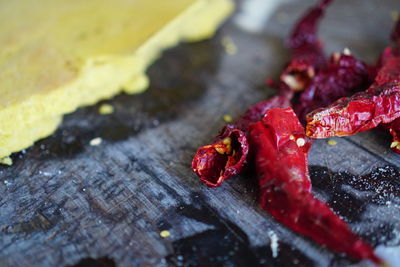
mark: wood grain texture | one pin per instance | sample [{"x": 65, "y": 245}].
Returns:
[{"x": 63, "y": 200}]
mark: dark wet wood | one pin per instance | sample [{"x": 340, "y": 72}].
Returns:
[{"x": 65, "y": 202}]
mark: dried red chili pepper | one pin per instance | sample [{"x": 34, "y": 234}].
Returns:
[
  {"x": 257, "y": 111},
  {"x": 343, "y": 76},
  {"x": 227, "y": 155},
  {"x": 307, "y": 54},
  {"x": 224, "y": 158},
  {"x": 394, "y": 126},
  {"x": 362, "y": 111},
  {"x": 280, "y": 147}
]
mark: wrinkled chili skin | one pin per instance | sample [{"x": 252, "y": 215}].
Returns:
[
  {"x": 394, "y": 126},
  {"x": 343, "y": 76},
  {"x": 285, "y": 188},
  {"x": 305, "y": 31},
  {"x": 307, "y": 54},
  {"x": 212, "y": 166},
  {"x": 363, "y": 111},
  {"x": 257, "y": 111}
]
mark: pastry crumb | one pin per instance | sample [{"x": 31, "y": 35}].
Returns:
[
  {"x": 229, "y": 45},
  {"x": 106, "y": 109},
  {"x": 6, "y": 161}
]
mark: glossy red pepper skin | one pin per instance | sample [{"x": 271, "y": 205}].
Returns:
[
  {"x": 394, "y": 126},
  {"x": 343, "y": 76},
  {"x": 257, "y": 111},
  {"x": 362, "y": 111},
  {"x": 307, "y": 54},
  {"x": 285, "y": 187},
  {"x": 221, "y": 160}
]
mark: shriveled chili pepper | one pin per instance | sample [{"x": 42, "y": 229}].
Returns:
[
  {"x": 280, "y": 148},
  {"x": 228, "y": 154},
  {"x": 224, "y": 158},
  {"x": 307, "y": 55},
  {"x": 394, "y": 126},
  {"x": 343, "y": 76},
  {"x": 363, "y": 111}
]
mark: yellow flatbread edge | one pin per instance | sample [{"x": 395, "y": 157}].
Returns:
[{"x": 39, "y": 115}]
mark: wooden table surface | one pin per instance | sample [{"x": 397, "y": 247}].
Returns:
[{"x": 64, "y": 202}]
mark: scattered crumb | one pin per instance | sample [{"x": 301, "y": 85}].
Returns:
[
  {"x": 96, "y": 141},
  {"x": 227, "y": 118},
  {"x": 6, "y": 161},
  {"x": 394, "y": 15},
  {"x": 165, "y": 234},
  {"x": 331, "y": 142},
  {"x": 229, "y": 45},
  {"x": 106, "y": 109},
  {"x": 274, "y": 243}
]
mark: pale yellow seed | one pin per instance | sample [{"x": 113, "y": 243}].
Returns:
[
  {"x": 165, "y": 233},
  {"x": 6, "y": 161},
  {"x": 227, "y": 118},
  {"x": 106, "y": 109},
  {"x": 291, "y": 137},
  {"x": 293, "y": 82},
  {"x": 397, "y": 147},
  {"x": 332, "y": 142},
  {"x": 229, "y": 45},
  {"x": 300, "y": 142},
  {"x": 394, "y": 15},
  {"x": 346, "y": 52},
  {"x": 227, "y": 141},
  {"x": 394, "y": 144},
  {"x": 220, "y": 150},
  {"x": 96, "y": 141}
]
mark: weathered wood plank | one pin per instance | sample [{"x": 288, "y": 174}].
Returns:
[{"x": 64, "y": 200}]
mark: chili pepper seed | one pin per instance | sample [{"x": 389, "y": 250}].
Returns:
[
  {"x": 165, "y": 233},
  {"x": 331, "y": 142},
  {"x": 300, "y": 142},
  {"x": 96, "y": 141},
  {"x": 227, "y": 118}
]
